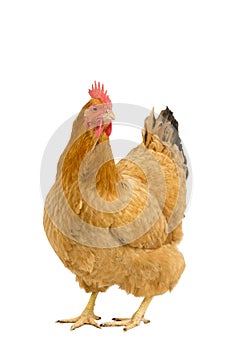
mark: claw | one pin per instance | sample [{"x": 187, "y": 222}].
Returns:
[{"x": 96, "y": 317}]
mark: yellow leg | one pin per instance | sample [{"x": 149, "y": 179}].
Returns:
[
  {"x": 87, "y": 316},
  {"x": 135, "y": 320}
]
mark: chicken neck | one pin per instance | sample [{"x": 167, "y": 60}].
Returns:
[{"x": 87, "y": 166}]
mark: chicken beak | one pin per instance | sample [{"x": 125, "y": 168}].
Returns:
[{"x": 109, "y": 115}]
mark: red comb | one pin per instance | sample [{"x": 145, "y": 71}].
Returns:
[{"x": 99, "y": 93}]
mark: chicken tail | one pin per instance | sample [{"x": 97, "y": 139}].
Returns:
[{"x": 165, "y": 128}]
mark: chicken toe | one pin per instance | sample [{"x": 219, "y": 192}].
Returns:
[
  {"x": 85, "y": 320},
  {"x": 144, "y": 320},
  {"x": 127, "y": 323}
]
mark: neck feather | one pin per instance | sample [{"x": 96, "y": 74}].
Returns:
[{"x": 88, "y": 165}]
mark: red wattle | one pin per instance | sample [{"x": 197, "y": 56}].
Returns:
[{"x": 108, "y": 130}]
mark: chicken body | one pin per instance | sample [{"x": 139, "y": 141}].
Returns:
[{"x": 129, "y": 245}]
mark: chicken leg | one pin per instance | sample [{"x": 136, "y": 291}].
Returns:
[
  {"x": 87, "y": 316},
  {"x": 136, "y": 319}
]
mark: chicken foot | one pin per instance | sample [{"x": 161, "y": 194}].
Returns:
[
  {"x": 135, "y": 320},
  {"x": 87, "y": 316}
]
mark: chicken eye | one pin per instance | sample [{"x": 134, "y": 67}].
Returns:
[{"x": 95, "y": 109}]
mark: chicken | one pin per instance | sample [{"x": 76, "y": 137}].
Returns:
[{"x": 118, "y": 224}]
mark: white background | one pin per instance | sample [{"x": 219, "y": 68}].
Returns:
[{"x": 175, "y": 53}]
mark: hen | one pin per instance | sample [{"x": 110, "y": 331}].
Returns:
[{"x": 118, "y": 224}]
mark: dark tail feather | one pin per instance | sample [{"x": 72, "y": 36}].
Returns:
[{"x": 166, "y": 128}]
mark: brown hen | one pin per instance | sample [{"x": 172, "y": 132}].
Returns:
[{"x": 119, "y": 224}]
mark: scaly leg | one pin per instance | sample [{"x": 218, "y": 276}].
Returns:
[
  {"x": 87, "y": 316},
  {"x": 136, "y": 319}
]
